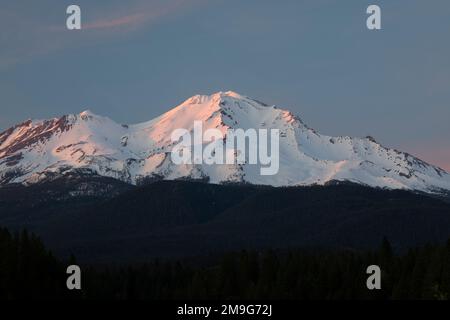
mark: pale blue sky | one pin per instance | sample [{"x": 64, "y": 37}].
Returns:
[{"x": 136, "y": 59}]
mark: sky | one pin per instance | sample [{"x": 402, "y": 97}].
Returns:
[{"x": 136, "y": 59}]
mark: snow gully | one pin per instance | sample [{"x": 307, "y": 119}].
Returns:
[{"x": 229, "y": 148}]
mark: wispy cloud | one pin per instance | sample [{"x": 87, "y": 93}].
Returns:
[
  {"x": 25, "y": 34},
  {"x": 134, "y": 19},
  {"x": 136, "y": 16}
]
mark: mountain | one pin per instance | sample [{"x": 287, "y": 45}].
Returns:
[{"x": 88, "y": 144}]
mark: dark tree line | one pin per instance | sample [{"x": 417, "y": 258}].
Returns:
[{"x": 28, "y": 270}]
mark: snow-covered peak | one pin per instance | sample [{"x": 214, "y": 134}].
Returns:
[
  {"x": 200, "y": 98},
  {"x": 234, "y": 95},
  {"x": 87, "y": 114},
  {"x": 35, "y": 150}
]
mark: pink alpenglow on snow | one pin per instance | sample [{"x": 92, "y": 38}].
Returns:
[{"x": 37, "y": 150}]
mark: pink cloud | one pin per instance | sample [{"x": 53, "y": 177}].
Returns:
[
  {"x": 117, "y": 22},
  {"x": 32, "y": 37},
  {"x": 138, "y": 16}
]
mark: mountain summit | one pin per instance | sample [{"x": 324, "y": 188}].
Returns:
[{"x": 86, "y": 143}]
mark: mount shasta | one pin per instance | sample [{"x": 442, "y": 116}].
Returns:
[{"x": 85, "y": 143}]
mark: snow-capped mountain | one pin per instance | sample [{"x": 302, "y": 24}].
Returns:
[{"x": 91, "y": 144}]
